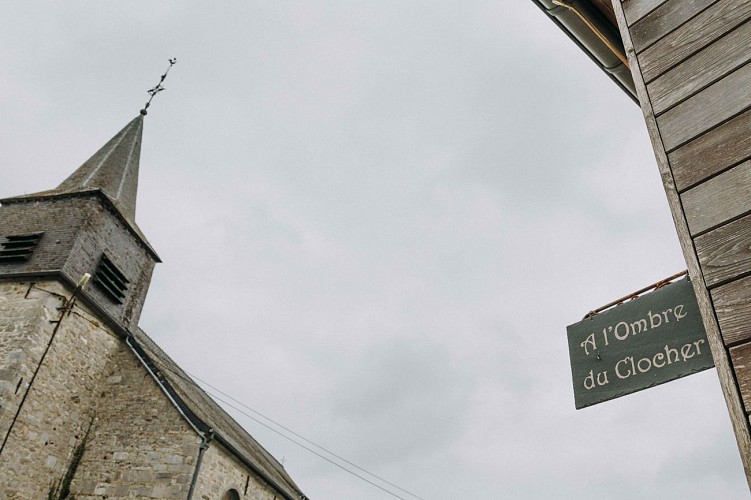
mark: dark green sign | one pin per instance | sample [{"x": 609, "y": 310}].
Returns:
[{"x": 647, "y": 341}]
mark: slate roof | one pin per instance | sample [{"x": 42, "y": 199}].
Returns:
[
  {"x": 206, "y": 415},
  {"x": 112, "y": 172},
  {"x": 587, "y": 23},
  {"x": 113, "y": 169}
]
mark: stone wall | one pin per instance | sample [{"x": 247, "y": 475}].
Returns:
[
  {"x": 59, "y": 219},
  {"x": 22, "y": 342},
  {"x": 57, "y": 406},
  {"x": 77, "y": 231},
  {"x": 104, "y": 232},
  {"x": 221, "y": 471},
  {"x": 92, "y": 411},
  {"x": 93, "y": 421},
  {"x": 139, "y": 445}
]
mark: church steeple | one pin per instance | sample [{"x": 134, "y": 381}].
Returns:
[
  {"x": 86, "y": 225},
  {"x": 113, "y": 169}
]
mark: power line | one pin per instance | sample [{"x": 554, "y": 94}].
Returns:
[
  {"x": 304, "y": 438},
  {"x": 190, "y": 379},
  {"x": 308, "y": 449}
]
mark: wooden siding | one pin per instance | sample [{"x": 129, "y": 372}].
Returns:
[
  {"x": 725, "y": 253},
  {"x": 691, "y": 62},
  {"x": 665, "y": 19},
  {"x": 707, "y": 109},
  {"x": 636, "y": 9},
  {"x": 701, "y": 70},
  {"x": 713, "y": 152},
  {"x": 742, "y": 361},
  {"x": 700, "y": 31},
  {"x": 719, "y": 199},
  {"x": 733, "y": 307}
]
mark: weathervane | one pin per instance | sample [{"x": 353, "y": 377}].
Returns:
[{"x": 158, "y": 87}]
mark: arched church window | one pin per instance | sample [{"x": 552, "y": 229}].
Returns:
[{"x": 231, "y": 495}]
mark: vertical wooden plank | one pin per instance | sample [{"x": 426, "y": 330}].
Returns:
[{"x": 727, "y": 376}]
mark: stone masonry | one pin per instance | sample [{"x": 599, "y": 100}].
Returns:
[
  {"x": 221, "y": 472},
  {"x": 57, "y": 406},
  {"x": 90, "y": 407}
]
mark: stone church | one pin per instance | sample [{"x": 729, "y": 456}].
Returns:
[{"x": 90, "y": 406}]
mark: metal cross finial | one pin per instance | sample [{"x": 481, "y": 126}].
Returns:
[{"x": 158, "y": 87}]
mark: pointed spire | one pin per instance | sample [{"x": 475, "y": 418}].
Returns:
[{"x": 113, "y": 169}]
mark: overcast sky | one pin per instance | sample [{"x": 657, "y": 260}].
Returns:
[{"x": 376, "y": 220}]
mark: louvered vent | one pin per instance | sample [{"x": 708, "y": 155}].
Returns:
[
  {"x": 110, "y": 280},
  {"x": 18, "y": 248}
]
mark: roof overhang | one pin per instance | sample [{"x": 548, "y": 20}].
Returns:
[{"x": 591, "y": 24}]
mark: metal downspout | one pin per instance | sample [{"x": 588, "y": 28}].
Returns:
[
  {"x": 205, "y": 440},
  {"x": 205, "y": 437},
  {"x": 161, "y": 386}
]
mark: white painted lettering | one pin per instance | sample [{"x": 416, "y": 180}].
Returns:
[
  {"x": 661, "y": 357},
  {"x": 589, "y": 381},
  {"x": 669, "y": 351},
  {"x": 698, "y": 349},
  {"x": 604, "y": 379},
  {"x": 665, "y": 314},
  {"x": 686, "y": 352},
  {"x": 652, "y": 320},
  {"x": 678, "y": 312},
  {"x": 638, "y": 326},
  {"x": 590, "y": 341},
  {"x": 618, "y": 369},
  {"x": 625, "y": 329},
  {"x": 646, "y": 368}
]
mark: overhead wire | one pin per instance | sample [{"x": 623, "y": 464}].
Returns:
[
  {"x": 306, "y": 448},
  {"x": 304, "y": 438},
  {"x": 192, "y": 380}
]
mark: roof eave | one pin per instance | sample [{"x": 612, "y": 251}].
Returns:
[
  {"x": 583, "y": 35},
  {"x": 290, "y": 492}
]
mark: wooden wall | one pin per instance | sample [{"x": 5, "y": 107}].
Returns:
[{"x": 691, "y": 62}]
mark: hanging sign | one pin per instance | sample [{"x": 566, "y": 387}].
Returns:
[{"x": 648, "y": 341}]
